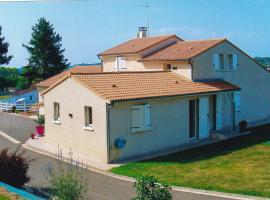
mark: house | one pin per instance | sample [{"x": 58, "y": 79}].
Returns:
[
  {"x": 155, "y": 94},
  {"x": 43, "y": 85},
  {"x": 27, "y": 96}
]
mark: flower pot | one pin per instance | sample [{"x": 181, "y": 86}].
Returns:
[
  {"x": 40, "y": 130},
  {"x": 33, "y": 136}
]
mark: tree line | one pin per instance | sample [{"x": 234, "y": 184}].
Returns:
[{"x": 46, "y": 58}]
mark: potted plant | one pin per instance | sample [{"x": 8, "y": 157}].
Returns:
[{"x": 40, "y": 128}]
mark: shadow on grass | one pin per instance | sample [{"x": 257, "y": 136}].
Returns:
[{"x": 258, "y": 135}]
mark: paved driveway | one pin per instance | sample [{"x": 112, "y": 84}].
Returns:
[
  {"x": 100, "y": 187},
  {"x": 17, "y": 127}
]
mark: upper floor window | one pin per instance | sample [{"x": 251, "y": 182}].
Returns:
[
  {"x": 230, "y": 62},
  {"x": 220, "y": 64},
  {"x": 168, "y": 66},
  {"x": 120, "y": 63},
  {"x": 56, "y": 108}
]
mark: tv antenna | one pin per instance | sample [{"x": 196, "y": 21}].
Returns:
[{"x": 147, "y": 7}]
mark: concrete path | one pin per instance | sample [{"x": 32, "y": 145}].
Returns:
[
  {"x": 100, "y": 186},
  {"x": 17, "y": 127}
]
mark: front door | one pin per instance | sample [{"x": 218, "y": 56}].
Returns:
[
  {"x": 193, "y": 119},
  {"x": 203, "y": 117}
]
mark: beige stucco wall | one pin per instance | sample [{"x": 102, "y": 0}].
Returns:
[
  {"x": 72, "y": 97},
  {"x": 254, "y": 81},
  {"x": 170, "y": 127}
]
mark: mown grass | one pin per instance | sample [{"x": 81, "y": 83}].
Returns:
[
  {"x": 3, "y": 197},
  {"x": 240, "y": 165},
  {"x": 4, "y": 97}
]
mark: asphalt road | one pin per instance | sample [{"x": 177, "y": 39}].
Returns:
[
  {"x": 100, "y": 187},
  {"x": 19, "y": 128}
]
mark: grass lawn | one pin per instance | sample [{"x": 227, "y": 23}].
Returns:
[
  {"x": 3, "y": 197},
  {"x": 4, "y": 97},
  {"x": 240, "y": 165}
]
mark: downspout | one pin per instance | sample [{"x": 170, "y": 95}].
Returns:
[
  {"x": 108, "y": 107},
  {"x": 100, "y": 58},
  {"x": 191, "y": 65}
]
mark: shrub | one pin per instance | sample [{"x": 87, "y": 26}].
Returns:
[
  {"x": 68, "y": 180},
  {"x": 40, "y": 120},
  {"x": 14, "y": 167},
  {"x": 148, "y": 188}
]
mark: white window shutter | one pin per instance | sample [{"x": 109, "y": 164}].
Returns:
[
  {"x": 216, "y": 62},
  {"x": 122, "y": 63},
  {"x": 218, "y": 111},
  {"x": 116, "y": 64},
  {"x": 235, "y": 62},
  {"x": 237, "y": 102},
  {"x": 147, "y": 116},
  {"x": 137, "y": 117}
]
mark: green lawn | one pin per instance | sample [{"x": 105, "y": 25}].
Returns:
[
  {"x": 3, "y": 197},
  {"x": 4, "y": 97},
  {"x": 240, "y": 165}
]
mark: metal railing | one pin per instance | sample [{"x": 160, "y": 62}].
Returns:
[{"x": 5, "y": 106}]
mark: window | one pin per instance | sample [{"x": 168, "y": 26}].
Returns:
[
  {"x": 222, "y": 62},
  {"x": 31, "y": 98},
  {"x": 56, "y": 111},
  {"x": 169, "y": 66},
  {"x": 174, "y": 67},
  {"x": 230, "y": 62},
  {"x": 141, "y": 118},
  {"x": 120, "y": 63},
  {"x": 236, "y": 101},
  {"x": 88, "y": 117}
]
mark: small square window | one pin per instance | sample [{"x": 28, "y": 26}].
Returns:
[{"x": 169, "y": 66}]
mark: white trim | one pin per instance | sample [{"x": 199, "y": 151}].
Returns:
[
  {"x": 88, "y": 128},
  {"x": 11, "y": 139},
  {"x": 56, "y": 122}
]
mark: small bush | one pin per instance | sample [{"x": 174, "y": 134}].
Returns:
[
  {"x": 148, "y": 188},
  {"x": 40, "y": 120},
  {"x": 68, "y": 180},
  {"x": 14, "y": 167}
]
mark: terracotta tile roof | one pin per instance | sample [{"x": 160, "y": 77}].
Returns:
[
  {"x": 139, "y": 85},
  {"x": 77, "y": 69},
  {"x": 182, "y": 50},
  {"x": 137, "y": 45}
]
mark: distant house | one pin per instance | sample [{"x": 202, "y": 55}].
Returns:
[
  {"x": 43, "y": 85},
  {"x": 27, "y": 96},
  {"x": 155, "y": 94}
]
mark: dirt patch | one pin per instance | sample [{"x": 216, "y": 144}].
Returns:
[{"x": 10, "y": 195}]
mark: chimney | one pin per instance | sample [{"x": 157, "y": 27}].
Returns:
[{"x": 142, "y": 32}]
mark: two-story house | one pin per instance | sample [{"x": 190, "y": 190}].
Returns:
[{"x": 155, "y": 94}]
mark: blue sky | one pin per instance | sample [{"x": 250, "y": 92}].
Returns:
[{"x": 89, "y": 27}]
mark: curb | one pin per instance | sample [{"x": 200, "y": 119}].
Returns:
[
  {"x": 132, "y": 180},
  {"x": 11, "y": 139},
  {"x": 174, "y": 188}
]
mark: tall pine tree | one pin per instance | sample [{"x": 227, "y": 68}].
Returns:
[
  {"x": 4, "y": 58},
  {"x": 46, "y": 54}
]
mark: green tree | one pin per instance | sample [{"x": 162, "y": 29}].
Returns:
[
  {"x": 4, "y": 58},
  {"x": 45, "y": 48}
]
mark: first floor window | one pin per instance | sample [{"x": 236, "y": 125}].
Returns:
[
  {"x": 230, "y": 62},
  {"x": 88, "y": 119},
  {"x": 56, "y": 111},
  {"x": 141, "y": 118}
]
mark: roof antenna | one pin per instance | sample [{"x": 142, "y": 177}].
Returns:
[{"x": 147, "y": 6}]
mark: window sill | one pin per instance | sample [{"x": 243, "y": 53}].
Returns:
[
  {"x": 88, "y": 128},
  {"x": 142, "y": 131},
  {"x": 57, "y": 122}
]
